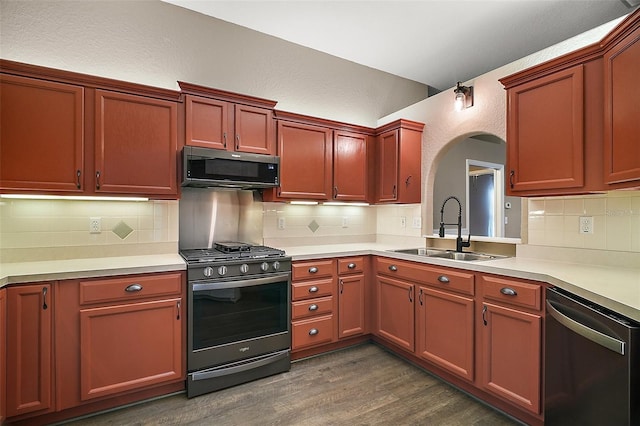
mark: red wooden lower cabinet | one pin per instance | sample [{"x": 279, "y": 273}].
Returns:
[
  {"x": 110, "y": 341},
  {"x": 445, "y": 331},
  {"x": 395, "y": 312},
  {"x": 121, "y": 349},
  {"x": 511, "y": 355},
  {"x": 3, "y": 358},
  {"x": 29, "y": 349},
  {"x": 351, "y": 305}
]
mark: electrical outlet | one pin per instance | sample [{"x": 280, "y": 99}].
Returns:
[
  {"x": 95, "y": 225},
  {"x": 281, "y": 223},
  {"x": 417, "y": 222},
  {"x": 586, "y": 224},
  {"x": 345, "y": 221},
  {"x": 403, "y": 221}
]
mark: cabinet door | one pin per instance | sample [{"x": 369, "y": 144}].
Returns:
[
  {"x": 622, "y": 111},
  {"x": 511, "y": 355},
  {"x": 122, "y": 350},
  {"x": 545, "y": 136},
  {"x": 446, "y": 331},
  {"x": 136, "y": 143},
  {"x": 350, "y": 167},
  {"x": 351, "y": 306},
  {"x": 409, "y": 167},
  {"x": 387, "y": 181},
  {"x": 254, "y": 130},
  {"x": 207, "y": 122},
  {"x": 3, "y": 351},
  {"x": 29, "y": 349},
  {"x": 305, "y": 161},
  {"x": 395, "y": 312},
  {"x": 42, "y": 135}
]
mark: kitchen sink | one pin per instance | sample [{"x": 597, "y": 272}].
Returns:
[{"x": 449, "y": 254}]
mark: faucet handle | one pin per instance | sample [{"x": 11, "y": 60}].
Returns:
[{"x": 468, "y": 242}]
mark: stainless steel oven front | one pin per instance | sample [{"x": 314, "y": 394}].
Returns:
[{"x": 239, "y": 329}]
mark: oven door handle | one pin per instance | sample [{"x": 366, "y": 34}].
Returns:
[
  {"x": 225, "y": 371},
  {"x": 240, "y": 283}
]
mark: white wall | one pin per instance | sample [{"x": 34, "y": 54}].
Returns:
[{"x": 155, "y": 43}]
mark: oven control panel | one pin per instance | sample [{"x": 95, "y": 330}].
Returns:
[{"x": 238, "y": 268}]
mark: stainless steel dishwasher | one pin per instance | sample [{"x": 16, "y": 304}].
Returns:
[{"x": 592, "y": 364}]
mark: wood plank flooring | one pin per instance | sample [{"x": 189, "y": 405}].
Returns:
[{"x": 362, "y": 385}]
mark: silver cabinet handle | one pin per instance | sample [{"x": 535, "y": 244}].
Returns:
[
  {"x": 78, "y": 173},
  {"x": 351, "y": 266},
  {"x": 224, "y": 139},
  {"x": 133, "y": 288},
  {"x": 508, "y": 291},
  {"x": 393, "y": 268},
  {"x": 484, "y": 314},
  {"x": 420, "y": 297},
  {"x": 178, "y": 306},
  {"x": 313, "y": 332},
  {"x": 410, "y": 294},
  {"x": 341, "y": 286},
  {"x": 313, "y": 307},
  {"x": 237, "y": 141},
  {"x": 443, "y": 279},
  {"x": 313, "y": 270},
  {"x": 313, "y": 289},
  {"x": 98, "y": 179}
]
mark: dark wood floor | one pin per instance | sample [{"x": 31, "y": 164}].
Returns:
[{"x": 363, "y": 385}]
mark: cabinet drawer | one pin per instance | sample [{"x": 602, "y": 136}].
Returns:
[
  {"x": 350, "y": 265},
  {"x": 400, "y": 269},
  {"x": 512, "y": 292},
  {"x": 311, "y": 307},
  {"x": 311, "y": 289},
  {"x": 312, "y": 332},
  {"x": 449, "y": 279},
  {"x": 313, "y": 269},
  {"x": 129, "y": 288}
]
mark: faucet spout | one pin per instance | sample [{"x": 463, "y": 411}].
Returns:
[{"x": 460, "y": 244}]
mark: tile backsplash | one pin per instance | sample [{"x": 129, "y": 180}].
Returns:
[
  {"x": 61, "y": 227},
  {"x": 293, "y": 225},
  {"x": 555, "y": 221}
]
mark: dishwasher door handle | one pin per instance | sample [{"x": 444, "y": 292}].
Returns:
[{"x": 611, "y": 343}]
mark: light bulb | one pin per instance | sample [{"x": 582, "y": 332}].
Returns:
[{"x": 459, "y": 101}]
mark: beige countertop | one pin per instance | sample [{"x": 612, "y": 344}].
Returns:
[
  {"x": 614, "y": 287},
  {"x": 26, "y": 272}
]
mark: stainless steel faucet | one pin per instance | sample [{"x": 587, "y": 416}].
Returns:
[{"x": 459, "y": 243}]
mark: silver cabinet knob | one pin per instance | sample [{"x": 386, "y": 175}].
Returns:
[
  {"x": 313, "y": 289},
  {"x": 443, "y": 279},
  {"x": 313, "y": 307},
  {"x": 313, "y": 270},
  {"x": 313, "y": 332},
  {"x": 393, "y": 268},
  {"x": 351, "y": 266}
]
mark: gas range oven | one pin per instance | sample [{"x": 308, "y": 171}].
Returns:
[{"x": 239, "y": 324}]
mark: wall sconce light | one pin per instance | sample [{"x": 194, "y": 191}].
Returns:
[{"x": 464, "y": 97}]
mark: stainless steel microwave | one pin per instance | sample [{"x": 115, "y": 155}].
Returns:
[{"x": 206, "y": 167}]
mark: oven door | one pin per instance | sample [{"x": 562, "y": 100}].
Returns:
[{"x": 238, "y": 318}]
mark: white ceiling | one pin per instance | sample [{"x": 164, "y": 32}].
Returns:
[{"x": 435, "y": 42}]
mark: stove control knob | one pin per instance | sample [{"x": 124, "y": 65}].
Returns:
[
  {"x": 276, "y": 265},
  {"x": 208, "y": 271},
  {"x": 222, "y": 270},
  {"x": 264, "y": 266},
  {"x": 244, "y": 268}
]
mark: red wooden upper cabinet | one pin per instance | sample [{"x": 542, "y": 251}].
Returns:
[
  {"x": 572, "y": 122},
  {"x": 351, "y": 166},
  {"x": 622, "y": 107},
  {"x": 136, "y": 142},
  {"x": 398, "y": 162},
  {"x": 545, "y": 132},
  {"x": 224, "y": 120},
  {"x": 42, "y": 135}
]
